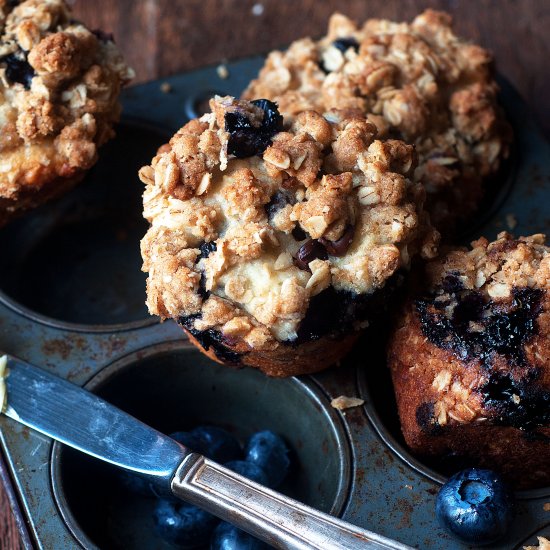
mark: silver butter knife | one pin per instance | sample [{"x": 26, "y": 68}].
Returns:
[{"x": 78, "y": 418}]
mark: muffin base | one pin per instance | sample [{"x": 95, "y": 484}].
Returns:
[{"x": 285, "y": 360}]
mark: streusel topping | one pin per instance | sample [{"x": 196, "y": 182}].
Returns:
[
  {"x": 250, "y": 220},
  {"x": 418, "y": 82},
  {"x": 59, "y": 84}
]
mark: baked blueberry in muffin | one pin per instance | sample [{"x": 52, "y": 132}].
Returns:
[
  {"x": 273, "y": 245},
  {"x": 470, "y": 359},
  {"x": 59, "y": 87},
  {"x": 418, "y": 82}
]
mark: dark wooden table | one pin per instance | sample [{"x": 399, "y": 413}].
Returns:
[{"x": 162, "y": 37}]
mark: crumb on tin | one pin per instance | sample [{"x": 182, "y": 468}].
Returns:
[
  {"x": 223, "y": 71},
  {"x": 344, "y": 402}
]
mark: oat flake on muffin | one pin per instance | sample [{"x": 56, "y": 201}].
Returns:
[
  {"x": 253, "y": 226},
  {"x": 59, "y": 87},
  {"x": 418, "y": 82}
]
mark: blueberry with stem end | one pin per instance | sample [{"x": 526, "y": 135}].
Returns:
[
  {"x": 183, "y": 524},
  {"x": 269, "y": 451},
  {"x": 476, "y": 506},
  {"x": 228, "y": 537}
]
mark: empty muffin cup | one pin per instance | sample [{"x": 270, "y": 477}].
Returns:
[{"x": 76, "y": 260}]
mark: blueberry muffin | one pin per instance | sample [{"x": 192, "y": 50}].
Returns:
[
  {"x": 417, "y": 82},
  {"x": 274, "y": 246},
  {"x": 470, "y": 359},
  {"x": 59, "y": 87}
]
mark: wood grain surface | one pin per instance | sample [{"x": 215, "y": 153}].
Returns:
[{"x": 162, "y": 37}]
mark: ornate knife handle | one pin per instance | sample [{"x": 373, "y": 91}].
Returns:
[{"x": 270, "y": 516}]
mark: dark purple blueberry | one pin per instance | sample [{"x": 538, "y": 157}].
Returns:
[
  {"x": 136, "y": 484},
  {"x": 206, "y": 249},
  {"x": 183, "y": 524},
  {"x": 521, "y": 403},
  {"x": 228, "y": 537},
  {"x": 103, "y": 36},
  {"x": 279, "y": 200},
  {"x": 272, "y": 121},
  {"x": 13, "y": 3},
  {"x": 217, "y": 443},
  {"x": 249, "y": 470},
  {"x": 298, "y": 233},
  {"x": 18, "y": 69},
  {"x": 344, "y": 44},
  {"x": 210, "y": 339},
  {"x": 188, "y": 440},
  {"x": 269, "y": 451},
  {"x": 504, "y": 332},
  {"x": 309, "y": 251},
  {"x": 341, "y": 246},
  {"x": 247, "y": 140},
  {"x": 451, "y": 283},
  {"x": 476, "y": 506}
]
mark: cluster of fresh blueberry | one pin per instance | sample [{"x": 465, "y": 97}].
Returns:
[
  {"x": 476, "y": 506},
  {"x": 265, "y": 459}
]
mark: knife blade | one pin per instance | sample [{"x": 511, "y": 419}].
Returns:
[{"x": 84, "y": 421}]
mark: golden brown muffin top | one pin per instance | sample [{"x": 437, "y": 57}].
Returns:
[
  {"x": 249, "y": 219},
  {"x": 59, "y": 87},
  {"x": 418, "y": 82}
]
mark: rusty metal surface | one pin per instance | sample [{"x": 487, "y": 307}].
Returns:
[{"x": 389, "y": 492}]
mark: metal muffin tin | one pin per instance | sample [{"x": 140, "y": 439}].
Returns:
[{"x": 71, "y": 301}]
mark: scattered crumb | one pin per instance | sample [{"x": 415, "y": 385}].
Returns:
[
  {"x": 544, "y": 544},
  {"x": 165, "y": 88},
  {"x": 343, "y": 402},
  {"x": 409, "y": 487},
  {"x": 511, "y": 221},
  {"x": 546, "y": 507},
  {"x": 223, "y": 71},
  {"x": 257, "y": 9}
]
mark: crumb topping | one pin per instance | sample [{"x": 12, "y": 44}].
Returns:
[
  {"x": 59, "y": 84},
  {"x": 416, "y": 81},
  {"x": 244, "y": 239}
]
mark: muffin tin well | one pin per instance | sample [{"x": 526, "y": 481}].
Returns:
[
  {"x": 79, "y": 320},
  {"x": 76, "y": 260},
  {"x": 177, "y": 388}
]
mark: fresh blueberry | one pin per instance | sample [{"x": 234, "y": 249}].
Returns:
[
  {"x": 183, "y": 524},
  {"x": 228, "y": 537},
  {"x": 217, "y": 444},
  {"x": 476, "y": 506},
  {"x": 188, "y": 440},
  {"x": 18, "y": 69},
  {"x": 249, "y": 470},
  {"x": 135, "y": 484},
  {"x": 268, "y": 451}
]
